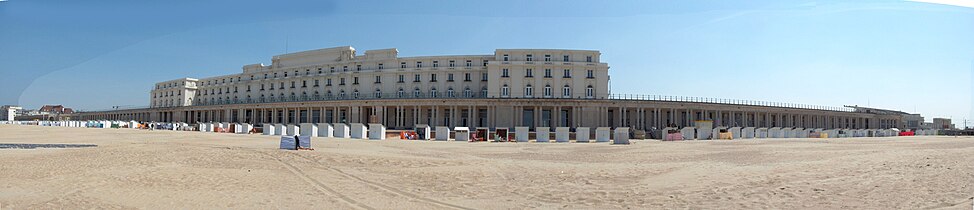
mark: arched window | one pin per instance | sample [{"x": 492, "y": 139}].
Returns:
[
  {"x": 547, "y": 91},
  {"x": 328, "y": 94},
  {"x": 566, "y": 92},
  {"x": 467, "y": 93},
  {"x": 378, "y": 93},
  {"x": 355, "y": 94},
  {"x": 483, "y": 92},
  {"x": 449, "y": 93},
  {"x": 433, "y": 92},
  {"x": 505, "y": 91},
  {"x": 528, "y": 91},
  {"x": 400, "y": 93},
  {"x": 416, "y": 93},
  {"x": 341, "y": 94},
  {"x": 589, "y": 92}
]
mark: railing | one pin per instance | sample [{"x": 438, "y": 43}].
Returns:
[{"x": 726, "y": 101}]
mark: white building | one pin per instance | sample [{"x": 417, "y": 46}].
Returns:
[{"x": 7, "y": 113}]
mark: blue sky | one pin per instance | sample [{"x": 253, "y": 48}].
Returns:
[{"x": 910, "y": 56}]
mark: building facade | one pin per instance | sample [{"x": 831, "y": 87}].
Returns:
[
  {"x": 9, "y": 113},
  {"x": 509, "y": 88}
]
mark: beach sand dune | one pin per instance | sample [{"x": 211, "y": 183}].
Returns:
[{"x": 190, "y": 170}]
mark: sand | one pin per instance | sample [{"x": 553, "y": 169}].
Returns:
[{"x": 190, "y": 170}]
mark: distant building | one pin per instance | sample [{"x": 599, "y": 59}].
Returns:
[
  {"x": 942, "y": 123},
  {"x": 912, "y": 121},
  {"x": 7, "y": 113},
  {"x": 55, "y": 109}
]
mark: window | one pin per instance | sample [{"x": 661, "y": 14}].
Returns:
[
  {"x": 416, "y": 78},
  {"x": 292, "y": 84},
  {"x": 466, "y": 77},
  {"x": 432, "y": 77},
  {"x": 449, "y": 93},
  {"x": 485, "y": 62},
  {"x": 400, "y": 93},
  {"x": 504, "y": 73},
  {"x": 483, "y": 92},
  {"x": 319, "y": 70},
  {"x": 419, "y": 64},
  {"x": 341, "y": 81},
  {"x": 565, "y": 58},
  {"x": 452, "y": 63},
  {"x": 505, "y": 57},
  {"x": 251, "y": 77},
  {"x": 469, "y": 63},
  {"x": 272, "y": 86},
  {"x": 401, "y": 78},
  {"x": 566, "y": 92},
  {"x": 275, "y": 76},
  {"x": 547, "y": 73},
  {"x": 529, "y": 58},
  {"x": 588, "y": 58},
  {"x": 378, "y": 79},
  {"x": 528, "y": 73},
  {"x": 467, "y": 93},
  {"x": 304, "y": 84},
  {"x": 332, "y": 69},
  {"x": 416, "y": 93},
  {"x": 307, "y": 72},
  {"x": 436, "y": 64},
  {"x": 589, "y": 92},
  {"x": 328, "y": 82},
  {"x": 505, "y": 91},
  {"x": 483, "y": 76},
  {"x": 358, "y": 67},
  {"x": 341, "y": 94},
  {"x": 355, "y": 94},
  {"x": 568, "y": 73},
  {"x": 354, "y": 80},
  {"x": 261, "y": 87},
  {"x": 528, "y": 91},
  {"x": 403, "y": 64},
  {"x": 285, "y": 74},
  {"x": 590, "y": 74},
  {"x": 547, "y": 91},
  {"x": 316, "y": 83},
  {"x": 547, "y": 58},
  {"x": 449, "y": 77},
  {"x": 345, "y": 68},
  {"x": 433, "y": 93},
  {"x": 380, "y": 66},
  {"x": 378, "y": 94}
]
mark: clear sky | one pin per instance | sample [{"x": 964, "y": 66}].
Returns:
[{"x": 909, "y": 56}]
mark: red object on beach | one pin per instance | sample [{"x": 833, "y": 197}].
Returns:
[{"x": 907, "y": 133}]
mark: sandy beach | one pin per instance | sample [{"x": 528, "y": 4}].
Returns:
[{"x": 190, "y": 170}]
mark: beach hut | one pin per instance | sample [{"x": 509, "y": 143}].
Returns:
[
  {"x": 480, "y": 134},
  {"x": 602, "y": 134},
  {"x": 562, "y": 134},
  {"x": 521, "y": 134},
  {"x": 309, "y": 129},
  {"x": 747, "y": 133},
  {"x": 800, "y": 133},
  {"x": 787, "y": 133},
  {"x": 422, "y": 132},
  {"x": 245, "y": 128},
  {"x": 462, "y": 133},
  {"x": 282, "y": 130},
  {"x": 359, "y": 131},
  {"x": 325, "y": 130},
  {"x": 542, "y": 134},
  {"x": 735, "y": 132},
  {"x": 689, "y": 133},
  {"x": 501, "y": 134},
  {"x": 761, "y": 133},
  {"x": 671, "y": 134},
  {"x": 341, "y": 130},
  {"x": 665, "y": 132},
  {"x": 621, "y": 136},
  {"x": 706, "y": 133},
  {"x": 442, "y": 133},
  {"x": 269, "y": 129},
  {"x": 582, "y": 135},
  {"x": 133, "y": 124},
  {"x": 293, "y": 130},
  {"x": 377, "y": 131},
  {"x": 715, "y": 132},
  {"x": 774, "y": 132}
]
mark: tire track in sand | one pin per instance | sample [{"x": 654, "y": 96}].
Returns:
[
  {"x": 385, "y": 187},
  {"x": 318, "y": 185}
]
